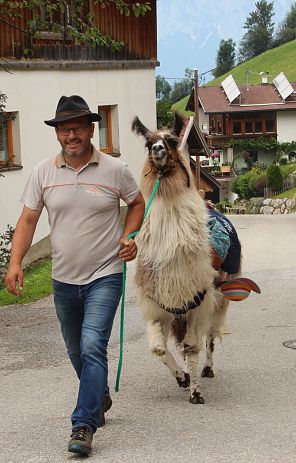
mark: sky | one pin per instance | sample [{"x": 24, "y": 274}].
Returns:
[{"x": 189, "y": 31}]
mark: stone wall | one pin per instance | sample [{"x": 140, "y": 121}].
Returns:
[{"x": 268, "y": 205}]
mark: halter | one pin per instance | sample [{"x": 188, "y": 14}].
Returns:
[{"x": 162, "y": 171}]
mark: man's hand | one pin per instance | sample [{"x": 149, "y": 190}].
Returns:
[
  {"x": 128, "y": 249},
  {"x": 14, "y": 280}
]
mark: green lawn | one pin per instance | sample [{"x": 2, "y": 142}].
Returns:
[
  {"x": 287, "y": 194},
  {"x": 276, "y": 60},
  {"x": 37, "y": 284}
]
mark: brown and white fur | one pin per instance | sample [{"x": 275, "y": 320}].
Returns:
[{"x": 174, "y": 261}]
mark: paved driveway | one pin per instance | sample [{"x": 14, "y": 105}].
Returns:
[{"x": 250, "y": 404}]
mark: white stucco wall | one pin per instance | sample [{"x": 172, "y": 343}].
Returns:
[
  {"x": 34, "y": 95},
  {"x": 286, "y": 126}
]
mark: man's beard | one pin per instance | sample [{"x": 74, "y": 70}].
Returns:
[{"x": 81, "y": 153}]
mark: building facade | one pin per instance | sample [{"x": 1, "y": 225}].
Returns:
[{"x": 119, "y": 85}]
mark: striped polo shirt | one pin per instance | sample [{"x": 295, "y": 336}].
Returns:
[{"x": 84, "y": 213}]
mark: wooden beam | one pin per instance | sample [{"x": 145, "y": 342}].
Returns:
[{"x": 197, "y": 161}]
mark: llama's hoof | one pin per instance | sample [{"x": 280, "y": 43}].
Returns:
[
  {"x": 184, "y": 382},
  {"x": 159, "y": 351},
  {"x": 196, "y": 398},
  {"x": 207, "y": 372}
]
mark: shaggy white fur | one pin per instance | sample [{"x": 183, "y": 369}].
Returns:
[{"x": 174, "y": 261}]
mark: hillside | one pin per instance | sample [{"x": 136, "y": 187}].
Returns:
[{"x": 280, "y": 59}]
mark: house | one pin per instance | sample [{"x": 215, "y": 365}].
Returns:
[
  {"x": 36, "y": 71},
  {"x": 193, "y": 144},
  {"x": 238, "y": 120}
]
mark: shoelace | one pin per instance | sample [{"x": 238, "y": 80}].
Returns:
[{"x": 80, "y": 433}]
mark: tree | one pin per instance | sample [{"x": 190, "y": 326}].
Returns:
[
  {"x": 164, "y": 114},
  {"x": 259, "y": 25},
  {"x": 4, "y": 116},
  {"x": 274, "y": 177},
  {"x": 225, "y": 57},
  {"x": 163, "y": 88},
  {"x": 79, "y": 24},
  {"x": 184, "y": 87},
  {"x": 287, "y": 29}
]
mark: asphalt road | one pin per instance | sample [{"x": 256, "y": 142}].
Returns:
[{"x": 250, "y": 404}]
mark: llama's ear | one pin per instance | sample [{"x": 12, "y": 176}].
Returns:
[
  {"x": 178, "y": 123},
  {"x": 140, "y": 128}
]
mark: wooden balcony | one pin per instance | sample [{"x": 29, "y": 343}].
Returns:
[{"x": 216, "y": 141}]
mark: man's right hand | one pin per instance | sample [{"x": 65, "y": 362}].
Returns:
[{"x": 14, "y": 279}]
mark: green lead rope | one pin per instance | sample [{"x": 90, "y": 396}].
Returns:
[{"x": 123, "y": 291}]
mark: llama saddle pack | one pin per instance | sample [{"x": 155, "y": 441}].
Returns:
[
  {"x": 225, "y": 242},
  {"x": 227, "y": 255}
]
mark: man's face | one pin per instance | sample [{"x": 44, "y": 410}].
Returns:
[{"x": 75, "y": 135}]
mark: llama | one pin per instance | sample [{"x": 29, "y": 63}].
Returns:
[{"x": 174, "y": 274}]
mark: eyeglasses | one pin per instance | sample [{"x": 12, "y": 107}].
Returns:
[{"x": 76, "y": 130}]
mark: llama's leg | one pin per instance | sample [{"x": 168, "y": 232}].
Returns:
[
  {"x": 207, "y": 371},
  {"x": 191, "y": 349},
  {"x": 157, "y": 341},
  {"x": 214, "y": 332}
]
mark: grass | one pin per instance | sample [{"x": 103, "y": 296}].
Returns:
[
  {"x": 37, "y": 284},
  {"x": 274, "y": 61},
  {"x": 287, "y": 194}
]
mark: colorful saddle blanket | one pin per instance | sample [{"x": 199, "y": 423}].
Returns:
[{"x": 224, "y": 241}]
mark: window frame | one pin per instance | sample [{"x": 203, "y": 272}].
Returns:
[
  {"x": 10, "y": 154},
  {"x": 109, "y": 148}
]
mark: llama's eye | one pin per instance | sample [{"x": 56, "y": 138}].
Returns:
[{"x": 149, "y": 145}]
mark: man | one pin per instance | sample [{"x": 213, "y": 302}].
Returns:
[{"x": 81, "y": 189}]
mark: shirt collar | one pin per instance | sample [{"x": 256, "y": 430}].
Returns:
[{"x": 61, "y": 162}]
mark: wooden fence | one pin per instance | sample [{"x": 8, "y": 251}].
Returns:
[
  {"x": 137, "y": 33},
  {"x": 287, "y": 185}
]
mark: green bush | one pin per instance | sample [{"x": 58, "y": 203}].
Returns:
[
  {"x": 283, "y": 161},
  {"x": 288, "y": 169},
  {"x": 274, "y": 177},
  {"x": 245, "y": 187},
  {"x": 250, "y": 184},
  {"x": 257, "y": 184}
]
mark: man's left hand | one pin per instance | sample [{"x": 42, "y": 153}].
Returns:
[{"x": 128, "y": 249}]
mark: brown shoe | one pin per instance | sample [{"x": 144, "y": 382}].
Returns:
[
  {"x": 106, "y": 405},
  {"x": 81, "y": 440}
]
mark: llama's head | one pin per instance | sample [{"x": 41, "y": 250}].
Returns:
[{"x": 162, "y": 145}]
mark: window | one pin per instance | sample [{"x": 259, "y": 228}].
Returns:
[
  {"x": 237, "y": 127},
  {"x": 269, "y": 125},
  {"x": 253, "y": 155},
  {"x": 105, "y": 129},
  {"x": 248, "y": 127},
  {"x": 213, "y": 125},
  {"x": 6, "y": 144},
  {"x": 258, "y": 126},
  {"x": 108, "y": 130}
]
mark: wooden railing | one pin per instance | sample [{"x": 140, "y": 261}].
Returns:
[{"x": 287, "y": 185}]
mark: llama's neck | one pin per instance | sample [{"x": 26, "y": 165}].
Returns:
[{"x": 172, "y": 183}]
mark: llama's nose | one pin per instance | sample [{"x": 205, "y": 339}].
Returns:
[{"x": 159, "y": 151}]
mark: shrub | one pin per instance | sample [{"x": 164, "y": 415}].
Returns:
[
  {"x": 283, "y": 161},
  {"x": 288, "y": 169},
  {"x": 274, "y": 177},
  {"x": 5, "y": 242},
  {"x": 235, "y": 188},
  {"x": 257, "y": 185}
]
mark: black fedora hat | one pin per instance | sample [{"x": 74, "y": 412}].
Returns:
[{"x": 71, "y": 107}]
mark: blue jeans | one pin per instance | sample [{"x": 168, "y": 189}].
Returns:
[{"x": 86, "y": 314}]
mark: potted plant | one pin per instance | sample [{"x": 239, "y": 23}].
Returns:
[{"x": 225, "y": 167}]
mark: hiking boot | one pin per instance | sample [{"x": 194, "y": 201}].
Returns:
[
  {"x": 81, "y": 439},
  {"x": 106, "y": 405}
]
